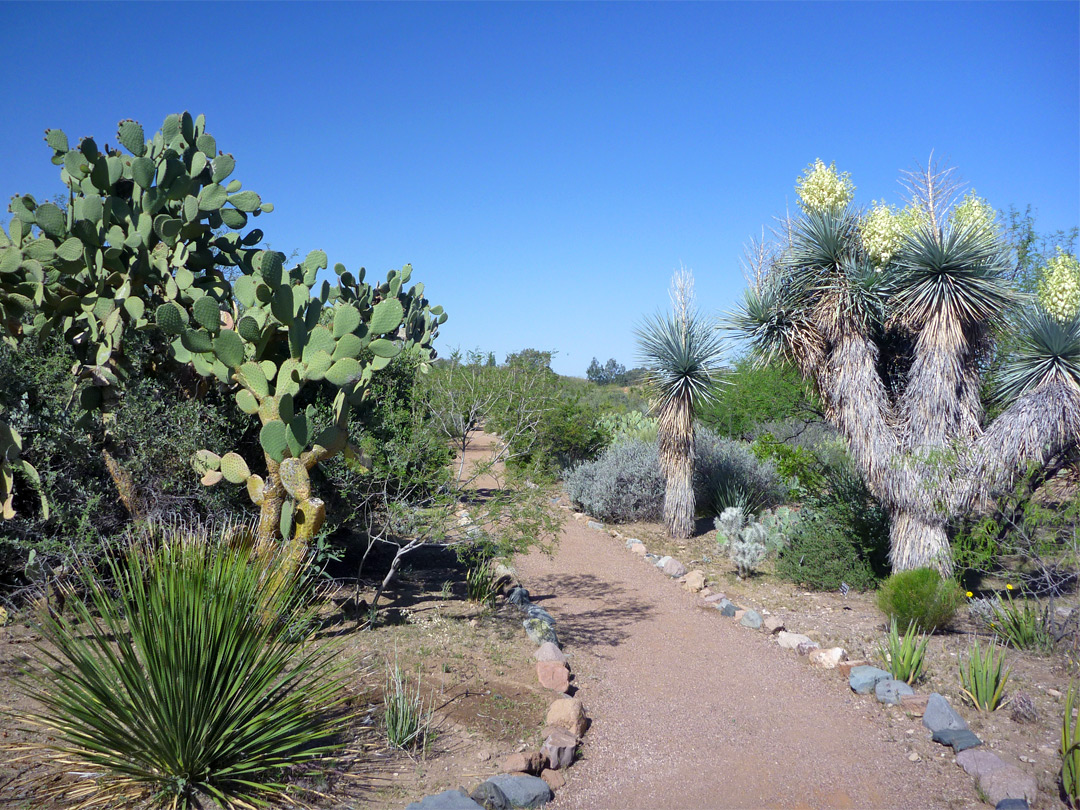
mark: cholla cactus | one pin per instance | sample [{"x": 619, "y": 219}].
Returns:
[
  {"x": 748, "y": 550},
  {"x": 1059, "y": 286},
  {"x": 779, "y": 524},
  {"x": 728, "y": 525},
  {"x": 822, "y": 189}
]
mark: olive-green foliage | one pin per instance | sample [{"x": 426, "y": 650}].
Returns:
[
  {"x": 904, "y": 656},
  {"x": 842, "y": 536},
  {"x": 1024, "y": 624},
  {"x": 920, "y": 597},
  {"x": 566, "y": 434},
  {"x": 796, "y": 464},
  {"x": 183, "y": 680},
  {"x": 755, "y": 395},
  {"x": 983, "y": 676}
]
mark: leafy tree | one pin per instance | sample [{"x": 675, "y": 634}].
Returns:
[
  {"x": 756, "y": 394},
  {"x": 893, "y": 316},
  {"x": 612, "y": 372},
  {"x": 681, "y": 352}
]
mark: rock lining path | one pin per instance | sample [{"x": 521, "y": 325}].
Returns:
[{"x": 691, "y": 711}]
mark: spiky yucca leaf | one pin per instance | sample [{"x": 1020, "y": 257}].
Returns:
[
  {"x": 957, "y": 272},
  {"x": 682, "y": 357},
  {"x": 1046, "y": 349},
  {"x": 186, "y": 683},
  {"x": 774, "y": 326}
]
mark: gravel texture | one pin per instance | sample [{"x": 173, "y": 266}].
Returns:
[{"x": 690, "y": 710}]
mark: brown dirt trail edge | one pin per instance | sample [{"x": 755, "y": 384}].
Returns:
[{"x": 691, "y": 711}]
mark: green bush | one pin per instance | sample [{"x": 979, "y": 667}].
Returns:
[
  {"x": 183, "y": 681},
  {"x": 754, "y": 395},
  {"x": 921, "y": 597}
]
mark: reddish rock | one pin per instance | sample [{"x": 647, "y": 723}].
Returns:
[
  {"x": 914, "y": 705},
  {"x": 639, "y": 549},
  {"x": 739, "y": 614},
  {"x": 528, "y": 762},
  {"x": 694, "y": 581},
  {"x": 569, "y": 714},
  {"x": 559, "y": 749},
  {"x": 845, "y": 667},
  {"x": 549, "y": 651},
  {"x": 554, "y": 779},
  {"x": 553, "y": 675}
]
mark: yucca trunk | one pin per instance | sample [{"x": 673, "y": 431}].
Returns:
[
  {"x": 676, "y": 438},
  {"x": 918, "y": 542}
]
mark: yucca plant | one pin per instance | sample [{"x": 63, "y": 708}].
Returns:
[
  {"x": 905, "y": 655},
  {"x": 681, "y": 353},
  {"x": 1023, "y": 625},
  {"x": 179, "y": 682},
  {"x": 893, "y": 315},
  {"x": 1070, "y": 748},
  {"x": 983, "y": 677},
  {"x": 407, "y": 721}
]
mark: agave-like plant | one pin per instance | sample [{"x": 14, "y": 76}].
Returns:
[
  {"x": 896, "y": 346},
  {"x": 681, "y": 352},
  {"x": 184, "y": 681}
]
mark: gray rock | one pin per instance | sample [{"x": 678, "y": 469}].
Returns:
[
  {"x": 939, "y": 715},
  {"x": 651, "y": 557},
  {"x": 523, "y": 791},
  {"x": 518, "y": 596},
  {"x": 662, "y": 561},
  {"x": 1008, "y": 783},
  {"x": 537, "y": 612},
  {"x": 674, "y": 568},
  {"x": 790, "y": 641},
  {"x": 715, "y": 597},
  {"x": 559, "y": 748},
  {"x": 863, "y": 680},
  {"x": 490, "y": 797},
  {"x": 540, "y": 632},
  {"x": 978, "y": 763},
  {"x": 592, "y": 524},
  {"x": 890, "y": 691},
  {"x": 751, "y": 619},
  {"x": 447, "y": 800},
  {"x": 631, "y": 541},
  {"x": 959, "y": 738},
  {"x": 728, "y": 609},
  {"x": 806, "y": 647},
  {"x": 1012, "y": 804}
]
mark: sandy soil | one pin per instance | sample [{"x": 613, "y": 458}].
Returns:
[{"x": 691, "y": 711}]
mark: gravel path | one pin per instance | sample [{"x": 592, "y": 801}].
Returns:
[{"x": 691, "y": 711}]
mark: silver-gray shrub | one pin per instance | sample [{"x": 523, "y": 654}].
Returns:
[
  {"x": 623, "y": 485},
  {"x": 727, "y": 474}
]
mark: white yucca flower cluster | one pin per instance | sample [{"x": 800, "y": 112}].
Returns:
[
  {"x": 1059, "y": 286},
  {"x": 822, "y": 188},
  {"x": 882, "y": 231},
  {"x": 974, "y": 210}
]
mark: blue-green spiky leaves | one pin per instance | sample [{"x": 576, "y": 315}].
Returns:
[
  {"x": 682, "y": 357},
  {"x": 1047, "y": 350}
]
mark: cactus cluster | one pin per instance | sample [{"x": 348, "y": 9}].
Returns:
[
  {"x": 743, "y": 541},
  {"x": 289, "y": 337}
]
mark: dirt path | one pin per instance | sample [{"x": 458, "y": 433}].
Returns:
[{"x": 690, "y": 710}]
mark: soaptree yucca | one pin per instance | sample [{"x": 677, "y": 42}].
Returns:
[
  {"x": 681, "y": 353},
  {"x": 894, "y": 315},
  {"x": 187, "y": 681}
]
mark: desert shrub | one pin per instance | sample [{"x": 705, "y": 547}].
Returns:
[
  {"x": 727, "y": 474},
  {"x": 793, "y": 462},
  {"x": 754, "y": 395},
  {"x": 779, "y": 524},
  {"x": 566, "y": 434},
  {"x": 618, "y": 427},
  {"x": 920, "y": 597},
  {"x": 842, "y": 536},
  {"x": 182, "y": 680},
  {"x": 623, "y": 485}
]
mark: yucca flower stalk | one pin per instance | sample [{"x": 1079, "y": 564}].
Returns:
[
  {"x": 681, "y": 352},
  {"x": 184, "y": 681},
  {"x": 894, "y": 329}
]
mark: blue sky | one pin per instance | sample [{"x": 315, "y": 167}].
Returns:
[{"x": 545, "y": 167}]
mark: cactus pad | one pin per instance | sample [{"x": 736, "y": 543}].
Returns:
[
  {"x": 198, "y": 342},
  {"x": 343, "y": 372},
  {"x": 234, "y": 468},
  {"x": 210, "y": 477},
  {"x": 255, "y": 489},
  {"x": 286, "y": 519},
  {"x": 386, "y": 316},
  {"x": 131, "y": 137},
  {"x": 229, "y": 347},
  {"x": 252, "y": 376},
  {"x": 346, "y": 319},
  {"x": 348, "y": 346},
  {"x": 295, "y": 479},
  {"x": 274, "y": 439},
  {"x": 171, "y": 318},
  {"x": 317, "y": 366},
  {"x": 206, "y": 311},
  {"x": 246, "y": 402},
  {"x": 385, "y": 348},
  {"x": 205, "y": 461},
  {"x": 249, "y": 329}
]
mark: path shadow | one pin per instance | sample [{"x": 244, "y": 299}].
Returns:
[{"x": 607, "y": 624}]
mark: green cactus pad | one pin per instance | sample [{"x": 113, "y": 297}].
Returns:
[
  {"x": 245, "y": 401},
  {"x": 211, "y": 477},
  {"x": 285, "y": 524},
  {"x": 343, "y": 371},
  {"x": 167, "y": 227},
  {"x": 299, "y": 430},
  {"x": 71, "y": 249},
  {"x": 269, "y": 267},
  {"x": 286, "y": 410},
  {"x": 269, "y": 369},
  {"x": 197, "y": 342},
  {"x": 204, "y": 460},
  {"x": 282, "y": 304},
  {"x": 171, "y": 318},
  {"x": 274, "y": 439},
  {"x": 333, "y": 439},
  {"x": 229, "y": 347},
  {"x": 320, "y": 340},
  {"x": 386, "y": 317},
  {"x": 244, "y": 287},
  {"x": 385, "y": 348},
  {"x": 346, "y": 319},
  {"x": 142, "y": 172},
  {"x": 379, "y": 362},
  {"x": 248, "y": 328},
  {"x": 318, "y": 364},
  {"x": 268, "y": 410},
  {"x": 255, "y": 489},
  {"x": 289, "y": 379},
  {"x": 234, "y": 468},
  {"x": 253, "y": 377},
  {"x": 206, "y": 144},
  {"x": 212, "y": 197},
  {"x": 131, "y": 137},
  {"x": 51, "y": 219},
  {"x": 56, "y": 139},
  {"x": 348, "y": 346},
  {"x": 206, "y": 311},
  {"x": 198, "y": 163},
  {"x": 233, "y": 218},
  {"x": 223, "y": 167},
  {"x": 295, "y": 479},
  {"x": 245, "y": 200}
]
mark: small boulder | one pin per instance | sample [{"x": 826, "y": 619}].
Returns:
[
  {"x": 631, "y": 541},
  {"x": 773, "y": 625},
  {"x": 569, "y": 714},
  {"x": 845, "y": 667},
  {"x": 828, "y": 658},
  {"x": 518, "y": 596},
  {"x": 554, "y": 779},
  {"x": 662, "y": 561},
  {"x": 553, "y": 675},
  {"x": 523, "y": 762},
  {"x": 695, "y": 581},
  {"x": 592, "y": 524},
  {"x": 559, "y": 749},
  {"x": 1012, "y": 804},
  {"x": 939, "y": 715},
  {"x": 447, "y": 800},
  {"x": 540, "y": 631},
  {"x": 1008, "y": 782},
  {"x": 537, "y": 612},
  {"x": 977, "y": 763},
  {"x": 751, "y": 619},
  {"x": 549, "y": 652},
  {"x": 488, "y": 796},
  {"x": 712, "y": 598},
  {"x": 807, "y": 647},
  {"x": 523, "y": 791},
  {"x": 863, "y": 680},
  {"x": 960, "y": 739},
  {"x": 789, "y": 641},
  {"x": 727, "y": 608},
  {"x": 890, "y": 691},
  {"x": 638, "y": 548},
  {"x": 674, "y": 568},
  {"x": 915, "y": 705}
]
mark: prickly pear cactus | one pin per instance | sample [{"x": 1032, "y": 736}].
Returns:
[{"x": 295, "y": 333}]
